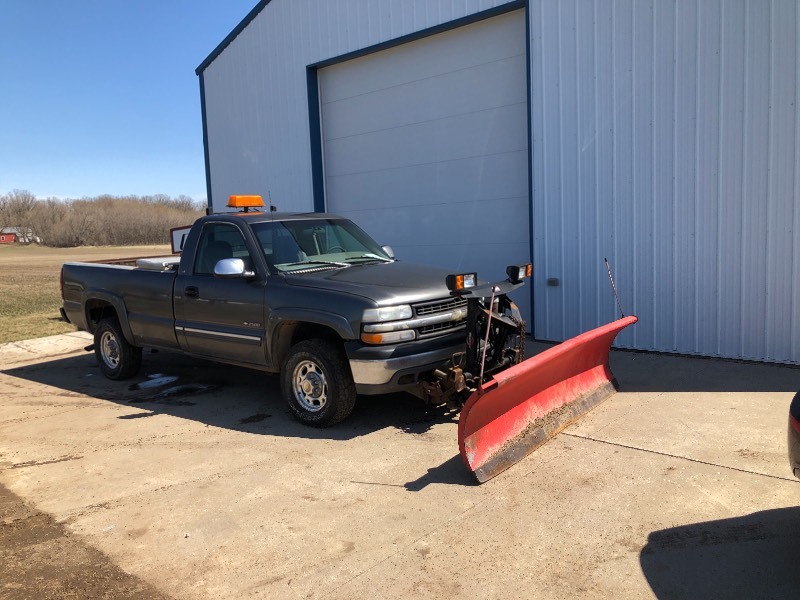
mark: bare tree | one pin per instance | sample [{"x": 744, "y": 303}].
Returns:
[
  {"x": 103, "y": 220},
  {"x": 16, "y": 209}
]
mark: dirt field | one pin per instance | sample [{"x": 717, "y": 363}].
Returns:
[
  {"x": 29, "y": 292},
  {"x": 40, "y": 559}
]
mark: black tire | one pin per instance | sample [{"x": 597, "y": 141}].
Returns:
[
  {"x": 117, "y": 358},
  {"x": 317, "y": 384}
]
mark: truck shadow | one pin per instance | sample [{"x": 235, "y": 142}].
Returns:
[
  {"x": 753, "y": 556},
  {"x": 221, "y": 396},
  {"x": 639, "y": 371},
  {"x": 649, "y": 372}
]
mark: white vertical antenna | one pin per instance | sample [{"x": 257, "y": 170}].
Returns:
[{"x": 613, "y": 287}]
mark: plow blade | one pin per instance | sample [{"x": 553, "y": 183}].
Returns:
[{"x": 519, "y": 409}]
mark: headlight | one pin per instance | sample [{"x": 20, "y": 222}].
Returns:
[
  {"x": 517, "y": 272},
  {"x": 386, "y": 313}
]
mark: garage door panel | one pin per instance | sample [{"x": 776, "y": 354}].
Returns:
[
  {"x": 426, "y": 58},
  {"x": 485, "y": 133},
  {"x": 428, "y": 99},
  {"x": 474, "y": 223},
  {"x": 467, "y": 257},
  {"x": 452, "y": 182}
]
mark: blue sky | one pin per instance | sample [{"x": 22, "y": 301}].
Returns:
[{"x": 100, "y": 96}]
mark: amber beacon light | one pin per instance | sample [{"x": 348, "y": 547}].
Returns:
[{"x": 245, "y": 202}]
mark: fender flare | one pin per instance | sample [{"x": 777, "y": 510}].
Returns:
[
  {"x": 116, "y": 302},
  {"x": 280, "y": 316}
]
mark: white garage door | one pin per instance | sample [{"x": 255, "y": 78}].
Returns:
[{"x": 426, "y": 147}]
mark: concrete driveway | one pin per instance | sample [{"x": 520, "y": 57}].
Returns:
[{"x": 197, "y": 482}]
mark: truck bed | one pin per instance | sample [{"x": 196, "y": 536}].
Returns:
[{"x": 142, "y": 293}]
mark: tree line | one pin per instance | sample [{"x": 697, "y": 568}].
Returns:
[{"x": 100, "y": 221}]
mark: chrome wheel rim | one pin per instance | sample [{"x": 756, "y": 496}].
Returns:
[
  {"x": 109, "y": 349},
  {"x": 310, "y": 386}
]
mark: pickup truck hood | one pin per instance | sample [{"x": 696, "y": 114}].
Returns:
[{"x": 385, "y": 283}]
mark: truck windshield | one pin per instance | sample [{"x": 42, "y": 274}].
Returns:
[{"x": 312, "y": 243}]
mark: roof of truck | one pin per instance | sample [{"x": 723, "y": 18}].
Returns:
[{"x": 276, "y": 216}]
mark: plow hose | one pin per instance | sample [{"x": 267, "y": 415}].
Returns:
[{"x": 519, "y": 409}]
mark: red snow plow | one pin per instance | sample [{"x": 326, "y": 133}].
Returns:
[{"x": 511, "y": 406}]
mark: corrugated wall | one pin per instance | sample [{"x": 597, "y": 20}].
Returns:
[
  {"x": 256, "y": 90},
  {"x": 666, "y": 137}
]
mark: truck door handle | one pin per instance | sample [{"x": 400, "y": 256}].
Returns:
[{"x": 191, "y": 291}]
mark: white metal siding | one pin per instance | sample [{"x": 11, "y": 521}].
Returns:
[
  {"x": 666, "y": 137},
  {"x": 256, "y": 92},
  {"x": 426, "y": 147}
]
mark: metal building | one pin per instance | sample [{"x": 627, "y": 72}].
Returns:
[{"x": 472, "y": 134}]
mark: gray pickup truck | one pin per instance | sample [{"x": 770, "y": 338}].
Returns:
[{"x": 309, "y": 296}]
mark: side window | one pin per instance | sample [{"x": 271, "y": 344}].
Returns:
[{"x": 218, "y": 241}]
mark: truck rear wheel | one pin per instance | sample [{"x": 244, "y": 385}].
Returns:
[
  {"x": 317, "y": 384},
  {"x": 117, "y": 358}
]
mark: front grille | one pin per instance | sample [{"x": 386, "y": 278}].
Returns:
[
  {"x": 439, "y": 328},
  {"x": 426, "y": 309},
  {"x": 437, "y": 306}
]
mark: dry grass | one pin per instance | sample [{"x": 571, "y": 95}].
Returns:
[{"x": 29, "y": 292}]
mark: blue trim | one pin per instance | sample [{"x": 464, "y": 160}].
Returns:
[
  {"x": 417, "y": 35},
  {"x": 531, "y": 216},
  {"x": 205, "y": 140},
  {"x": 232, "y": 36},
  {"x": 315, "y": 139}
]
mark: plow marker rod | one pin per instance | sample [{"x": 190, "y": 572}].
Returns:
[{"x": 519, "y": 409}]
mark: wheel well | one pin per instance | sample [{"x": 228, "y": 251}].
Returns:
[
  {"x": 96, "y": 310},
  {"x": 294, "y": 332}
]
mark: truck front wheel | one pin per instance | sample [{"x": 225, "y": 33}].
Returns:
[
  {"x": 117, "y": 358},
  {"x": 317, "y": 384}
]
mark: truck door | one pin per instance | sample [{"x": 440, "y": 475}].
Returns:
[{"x": 221, "y": 318}]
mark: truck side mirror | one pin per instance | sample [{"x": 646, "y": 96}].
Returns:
[
  {"x": 388, "y": 250},
  {"x": 232, "y": 268}
]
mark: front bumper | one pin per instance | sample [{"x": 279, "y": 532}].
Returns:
[{"x": 386, "y": 369}]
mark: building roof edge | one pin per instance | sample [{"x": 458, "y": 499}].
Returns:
[{"x": 231, "y": 36}]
